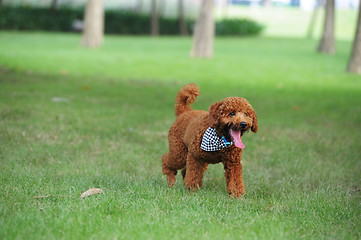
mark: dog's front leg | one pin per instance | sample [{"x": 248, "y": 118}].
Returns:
[
  {"x": 194, "y": 173},
  {"x": 234, "y": 179}
]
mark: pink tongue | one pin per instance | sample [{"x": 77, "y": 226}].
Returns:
[{"x": 236, "y": 138}]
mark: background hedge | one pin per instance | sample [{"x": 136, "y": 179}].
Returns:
[
  {"x": 238, "y": 27},
  {"x": 116, "y": 22}
]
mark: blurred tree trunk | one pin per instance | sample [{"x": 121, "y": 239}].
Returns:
[
  {"x": 154, "y": 19},
  {"x": 203, "y": 35},
  {"x": 311, "y": 25},
  {"x": 1, "y": 2},
  {"x": 182, "y": 21},
  {"x": 93, "y": 32},
  {"x": 54, "y": 5},
  {"x": 139, "y": 6},
  {"x": 162, "y": 9},
  {"x": 354, "y": 64},
  {"x": 327, "y": 43}
]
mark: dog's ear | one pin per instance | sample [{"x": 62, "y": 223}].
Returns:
[
  {"x": 214, "y": 114},
  {"x": 254, "y": 127}
]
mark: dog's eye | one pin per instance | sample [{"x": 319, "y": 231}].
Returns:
[
  {"x": 232, "y": 114},
  {"x": 246, "y": 114}
]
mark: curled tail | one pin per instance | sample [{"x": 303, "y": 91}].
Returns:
[{"x": 185, "y": 97}]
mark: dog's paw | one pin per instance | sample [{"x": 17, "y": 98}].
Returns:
[{"x": 237, "y": 194}]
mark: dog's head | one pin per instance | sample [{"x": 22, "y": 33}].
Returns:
[{"x": 232, "y": 117}]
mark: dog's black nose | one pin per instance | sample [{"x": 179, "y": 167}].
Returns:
[{"x": 243, "y": 125}]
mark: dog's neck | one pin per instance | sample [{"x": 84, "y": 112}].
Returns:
[{"x": 211, "y": 141}]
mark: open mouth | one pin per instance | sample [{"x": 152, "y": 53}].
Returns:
[
  {"x": 234, "y": 132},
  {"x": 236, "y": 138}
]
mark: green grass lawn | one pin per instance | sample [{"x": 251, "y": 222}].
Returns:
[{"x": 109, "y": 130}]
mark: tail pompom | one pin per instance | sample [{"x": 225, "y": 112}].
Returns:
[{"x": 185, "y": 97}]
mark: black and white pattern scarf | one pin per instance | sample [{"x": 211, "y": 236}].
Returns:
[{"x": 211, "y": 142}]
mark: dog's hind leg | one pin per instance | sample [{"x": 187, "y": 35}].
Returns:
[
  {"x": 170, "y": 173},
  {"x": 175, "y": 159}
]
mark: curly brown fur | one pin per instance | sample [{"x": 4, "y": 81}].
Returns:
[{"x": 186, "y": 133}]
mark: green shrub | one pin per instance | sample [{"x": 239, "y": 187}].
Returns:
[
  {"x": 239, "y": 27},
  {"x": 116, "y": 22},
  {"x": 126, "y": 22},
  {"x": 24, "y": 18}
]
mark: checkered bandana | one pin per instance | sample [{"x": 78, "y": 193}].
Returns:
[{"x": 211, "y": 142}]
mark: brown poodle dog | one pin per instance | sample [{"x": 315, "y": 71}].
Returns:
[{"x": 198, "y": 138}]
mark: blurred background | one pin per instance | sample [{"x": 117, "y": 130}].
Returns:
[{"x": 293, "y": 18}]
